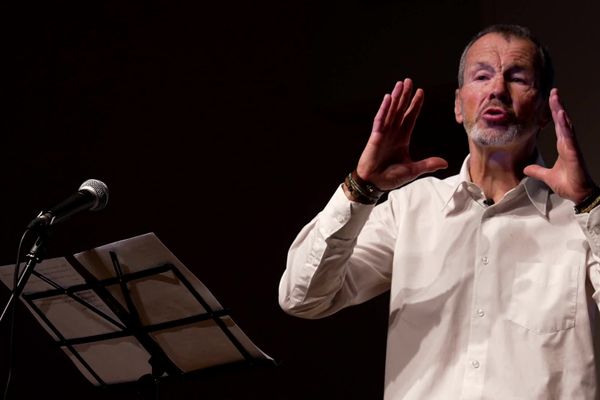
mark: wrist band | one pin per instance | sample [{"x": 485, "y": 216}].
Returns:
[
  {"x": 589, "y": 203},
  {"x": 361, "y": 190}
]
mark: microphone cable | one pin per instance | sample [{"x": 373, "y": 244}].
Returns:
[{"x": 11, "y": 319}]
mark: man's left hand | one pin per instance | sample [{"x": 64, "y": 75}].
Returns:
[{"x": 568, "y": 177}]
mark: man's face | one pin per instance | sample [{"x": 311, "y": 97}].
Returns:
[{"x": 499, "y": 103}]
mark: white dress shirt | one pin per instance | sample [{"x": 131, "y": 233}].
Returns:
[{"x": 486, "y": 302}]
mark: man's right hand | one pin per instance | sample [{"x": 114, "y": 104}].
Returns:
[{"x": 385, "y": 162}]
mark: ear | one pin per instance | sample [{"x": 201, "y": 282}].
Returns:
[{"x": 457, "y": 107}]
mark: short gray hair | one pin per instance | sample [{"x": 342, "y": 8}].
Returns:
[{"x": 544, "y": 65}]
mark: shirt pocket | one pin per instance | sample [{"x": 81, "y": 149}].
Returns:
[{"x": 544, "y": 297}]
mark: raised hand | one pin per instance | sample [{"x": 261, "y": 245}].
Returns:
[
  {"x": 568, "y": 177},
  {"x": 385, "y": 161}
]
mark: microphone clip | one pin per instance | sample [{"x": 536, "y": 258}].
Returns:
[{"x": 43, "y": 220}]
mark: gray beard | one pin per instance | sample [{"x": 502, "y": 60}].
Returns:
[{"x": 490, "y": 137}]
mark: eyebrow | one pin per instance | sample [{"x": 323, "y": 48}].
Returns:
[
  {"x": 482, "y": 65},
  {"x": 517, "y": 68},
  {"x": 488, "y": 67}
]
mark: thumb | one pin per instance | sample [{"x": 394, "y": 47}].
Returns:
[
  {"x": 431, "y": 164},
  {"x": 427, "y": 165},
  {"x": 537, "y": 172}
]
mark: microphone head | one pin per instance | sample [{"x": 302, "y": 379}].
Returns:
[{"x": 99, "y": 190}]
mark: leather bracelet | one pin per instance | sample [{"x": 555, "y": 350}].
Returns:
[
  {"x": 589, "y": 203},
  {"x": 362, "y": 191}
]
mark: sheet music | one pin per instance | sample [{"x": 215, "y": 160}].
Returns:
[{"x": 159, "y": 298}]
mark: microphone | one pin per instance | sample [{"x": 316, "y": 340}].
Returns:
[
  {"x": 488, "y": 202},
  {"x": 92, "y": 195}
]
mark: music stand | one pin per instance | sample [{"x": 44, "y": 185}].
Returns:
[{"x": 129, "y": 310}]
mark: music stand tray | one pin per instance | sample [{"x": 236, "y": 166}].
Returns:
[{"x": 130, "y": 309}]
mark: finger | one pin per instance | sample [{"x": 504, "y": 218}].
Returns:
[
  {"x": 554, "y": 103},
  {"x": 403, "y": 103},
  {"x": 413, "y": 112},
  {"x": 382, "y": 113},
  {"x": 426, "y": 165},
  {"x": 562, "y": 123},
  {"x": 566, "y": 125},
  {"x": 566, "y": 142},
  {"x": 538, "y": 172},
  {"x": 396, "y": 94},
  {"x": 402, "y": 173}
]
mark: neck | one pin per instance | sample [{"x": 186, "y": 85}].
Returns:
[{"x": 496, "y": 170}]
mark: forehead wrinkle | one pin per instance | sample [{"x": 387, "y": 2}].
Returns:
[{"x": 502, "y": 54}]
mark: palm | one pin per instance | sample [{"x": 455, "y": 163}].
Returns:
[{"x": 386, "y": 160}]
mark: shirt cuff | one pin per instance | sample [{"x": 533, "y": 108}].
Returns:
[
  {"x": 344, "y": 218},
  {"x": 590, "y": 224}
]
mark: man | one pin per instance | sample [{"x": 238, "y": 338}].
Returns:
[{"x": 494, "y": 273}]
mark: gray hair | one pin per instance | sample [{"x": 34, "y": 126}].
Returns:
[{"x": 545, "y": 68}]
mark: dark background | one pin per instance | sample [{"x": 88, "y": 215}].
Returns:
[{"x": 223, "y": 128}]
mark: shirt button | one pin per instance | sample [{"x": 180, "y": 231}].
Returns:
[
  {"x": 475, "y": 364},
  {"x": 484, "y": 260},
  {"x": 340, "y": 219},
  {"x": 480, "y": 313},
  {"x": 596, "y": 230}
]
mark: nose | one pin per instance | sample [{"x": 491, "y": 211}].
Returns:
[{"x": 499, "y": 90}]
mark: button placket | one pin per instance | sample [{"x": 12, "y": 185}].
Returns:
[{"x": 480, "y": 324}]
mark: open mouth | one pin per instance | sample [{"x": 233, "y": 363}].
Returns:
[{"x": 495, "y": 115}]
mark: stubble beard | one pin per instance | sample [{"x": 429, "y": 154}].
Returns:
[{"x": 494, "y": 137}]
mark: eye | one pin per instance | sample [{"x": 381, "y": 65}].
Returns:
[
  {"x": 481, "y": 77},
  {"x": 518, "y": 77}
]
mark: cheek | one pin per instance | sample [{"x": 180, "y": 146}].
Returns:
[
  {"x": 469, "y": 109},
  {"x": 469, "y": 102}
]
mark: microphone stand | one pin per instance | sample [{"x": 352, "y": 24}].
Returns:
[{"x": 33, "y": 257}]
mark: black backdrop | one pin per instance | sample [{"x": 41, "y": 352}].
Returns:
[{"x": 224, "y": 128}]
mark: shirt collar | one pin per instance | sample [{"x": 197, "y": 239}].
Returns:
[{"x": 537, "y": 191}]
